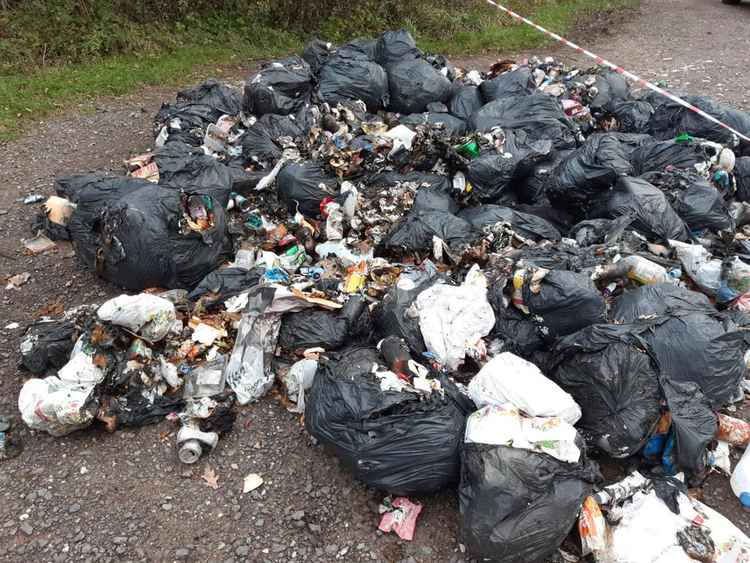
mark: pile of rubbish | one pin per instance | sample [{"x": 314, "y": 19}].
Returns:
[{"x": 495, "y": 281}]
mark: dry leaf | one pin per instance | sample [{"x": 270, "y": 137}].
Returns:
[{"x": 210, "y": 477}]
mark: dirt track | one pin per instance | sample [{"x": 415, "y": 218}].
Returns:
[{"x": 101, "y": 497}]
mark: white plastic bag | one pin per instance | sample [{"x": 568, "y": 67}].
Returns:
[
  {"x": 147, "y": 315},
  {"x": 505, "y": 425},
  {"x": 453, "y": 319},
  {"x": 299, "y": 379},
  {"x": 647, "y": 532},
  {"x": 506, "y": 378},
  {"x": 58, "y": 404}
]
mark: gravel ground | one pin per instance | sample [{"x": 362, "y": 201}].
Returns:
[{"x": 124, "y": 496}]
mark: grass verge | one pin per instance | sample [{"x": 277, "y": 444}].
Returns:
[{"x": 29, "y": 96}]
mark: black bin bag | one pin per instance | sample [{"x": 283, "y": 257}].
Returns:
[
  {"x": 591, "y": 169},
  {"x": 415, "y": 232},
  {"x": 281, "y": 87},
  {"x": 395, "y": 46},
  {"x": 649, "y": 208},
  {"x": 517, "y": 82},
  {"x": 742, "y": 178},
  {"x": 92, "y": 193},
  {"x": 310, "y": 328},
  {"x": 616, "y": 382},
  {"x": 347, "y": 78},
  {"x": 465, "y": 100},
  {"x": 221, "y": 284},
  {"x": 47, "y": 343},
  {"x": 565, "y": 302},
  {"x": 527, "y": 225},
  {"x": 517, "y": 505},
  {"x": 687, "y": 338},
  {"x": 392, "y": 441},
  {"x": 302, "y": 186},
  {"x": 415, "y": 83},
  {"x": 183, "y": 167},
  {"x": 702, "y": 206},
  {"x": 541, "y": 116},
  {"x": 214, "y": 94},
  {"x": 148, "y": 238}
]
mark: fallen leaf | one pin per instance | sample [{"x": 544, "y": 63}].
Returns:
[
  {"x": 52, "y": 309},
  {"x": 210, "y": 477},
  {"x": 14, "y": 282},
  {"x": 252, "y": 482}
]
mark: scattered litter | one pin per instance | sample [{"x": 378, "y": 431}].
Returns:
[
  {"x": 399, "y": 516},
  {"x": 251, "y": 482},
  {"x": 38, "y": 244},
  {"x": 453, "y": 278}
]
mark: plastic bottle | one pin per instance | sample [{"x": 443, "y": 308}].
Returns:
[{"x": 740, "y": 480}]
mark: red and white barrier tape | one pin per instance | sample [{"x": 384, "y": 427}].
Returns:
[{"x": 618, "y": 69}]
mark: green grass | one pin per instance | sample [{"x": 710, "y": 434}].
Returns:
[
  {"x": 559, "y": 17},
  {"x": 32, "y": 95}
]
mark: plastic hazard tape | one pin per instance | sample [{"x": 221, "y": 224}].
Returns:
[{"x": 618, "y": 69}]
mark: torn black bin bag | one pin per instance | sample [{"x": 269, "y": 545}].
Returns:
[
  {"x": 134, "y": 410},
  {"x": 185, "y": 121},
  {"x": 345, "y": 79},
  {"x": 303, "y": 186},
  {"x": 531, "y": 188},
  {"x": 92, "y": 193},
  {"x": 672, "y": 119},
  {"x": 213, "y": 93},
  {"x": 616, "y": 383},
  {"x": 465, "y": 100},
  {"x": 415, "y": 83},
  {"x": 331, "y": 330},
  {"x": 659, "y": 156},
  {"x": 260, "y": 143},
  {"x": 566, "y": 301},
  {"x": 540, "y": 115},
  {"x": 702, "y": 206},
  {"x": 649, "y": 208},
  {"x": 153, "y": 237},
  {"x": 611, "y": 88},
  {"x": 633, "y": 116},
  {"x": 519, "y": 82},
  {"x": 391, "y": 316},
  {"x": 694, "y": 422},
  {"x": 452, "y": 125},
  {"x": 47, "y": 343},
  {"x": 397, "y": 442},
  {"x": 395, "y": 46},
  {"x": 415, "y": 232},
  {"x": 316, "y": 53},
  {"x": 742, "y": 178},
  {"x": 687, "y": 338},
  {"x": 517, "y": 505},
  {"x": 592, "y": 168},
  {"x": 221, "y": 284},
  {"x": 183, "y": 167},
  {"x": 591, "y": 231},
  {"x": 526, "y": 225},
  {"x": 280, "y": 87},
  {"x": 492, "y": 174},
  {"x": 519, "y": 334}
]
